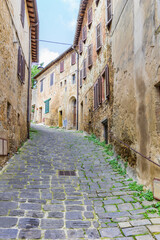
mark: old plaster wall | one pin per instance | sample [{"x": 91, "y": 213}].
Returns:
[
  {"x": 135, "y": 54},
  {"x": 13, "y": 94},
  {"x": 61, "y": 93}
]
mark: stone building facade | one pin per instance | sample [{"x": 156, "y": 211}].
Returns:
[
  {"x": 57, "y": 92},
  {"x": 18, "y": 24},
  {"x": 96, "y": 71}
]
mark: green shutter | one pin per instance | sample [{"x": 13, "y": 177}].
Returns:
[{"x": 47, "y": 106}]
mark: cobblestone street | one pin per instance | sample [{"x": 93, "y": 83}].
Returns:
[{"x": 37, "y": 203}]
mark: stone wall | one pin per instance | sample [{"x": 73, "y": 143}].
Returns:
[{"x": 13, "y": 94}]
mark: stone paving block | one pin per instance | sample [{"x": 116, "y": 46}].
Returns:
[
  {"x": 88, "y": 215},
  {"x": 110, "y": 232},
  {"x": 124, "y": 224},
  {"x": 29, "y": 234},
  {"x": 53, "y": 208},
  {"x": 154, "y": 228},
  {"x": 155, "y": 220},
  {"x": 55, "y": 234},
  {"x": 113, "y": 201},
  {"x": 75, "y": 208},
  {"x": 157, "y": 237},
  {"x": 52, "y": 224},
  {"x": 124, "y": 238},
  {"x": 134, "y": 231},
  {"x": 142, "y": 222},
  {"x": 8, "y": 222},
  {"x": 125, "y": 206},
  {"x": 144, "y": 237},
  {"x": 92, "y": 234},
  {"x": 55, "y": 215},
  {"x": 75, "y": 234},
  {"x": 30, "y": 206},
  {"x": 78, "y": 224},
  {"x": 111, "y": 208},
  {"x": 8, "y": 233},
  {"x": 35, "y": 214},
  {"x": 74, "y": 215},
  {"x": 28, "y": 223},
  {"x": 18, "y": 213}
]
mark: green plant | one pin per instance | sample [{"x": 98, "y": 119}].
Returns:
[{"x": 34, "y": 71}]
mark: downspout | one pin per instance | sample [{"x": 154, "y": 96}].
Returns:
[
  {"x": 29, "y": 79},
  {"x": 77, "y": 90}
]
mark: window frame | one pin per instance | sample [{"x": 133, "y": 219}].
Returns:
[
  {"x": 51, "y": 79},
  {"x": 84, "y": 68},
  {"x": 47, "y": 105},
  {"x": 62, "y": 66},
  {"x": 41, "y": 85},
  {"x": 90, "y": 16},
  {"x": 108, "y": 8},
  {"x": 99, "y": 37},
  {"x": 90, "y": 55},
  {"x": 84, "y": 33},
  {"x": 22, "y": 15}
]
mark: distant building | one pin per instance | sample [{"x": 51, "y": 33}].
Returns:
[
  {"x": 57, "y": 92},
  {"x": 18, "y": 24}
]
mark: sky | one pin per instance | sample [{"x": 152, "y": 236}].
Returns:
[{"x": 57, "y": 22}]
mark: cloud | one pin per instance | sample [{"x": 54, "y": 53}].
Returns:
[
  {"x": 72, "y": 24},
  {"x": 72, "y": 4},
  {"x": 47, "y": 56}
]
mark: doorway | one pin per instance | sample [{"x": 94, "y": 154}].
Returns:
[
  {"x": 74, "y": 113},
  {"x": 60, "y": 119},
  {"x": 40, "y": 114},
  {"x": 105, "y": 124}
]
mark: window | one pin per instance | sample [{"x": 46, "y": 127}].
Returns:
[
  {"x": 61, "y": 66},
  {"x": 89, "y": 16},
  {"x": 90, "y": 47},
  {"x": 84, "y": 33},
  {"x": 109, "y": 12},
  {"x": 8, "y": 111},
  {"x": 84, "y": 68},
  {"x": 98, "y": 93},
  {"x": 47, "y": 106},
  {"x": 51, "y": 79},
  {"x": 97, "y": 1},
  {"x": 105, "y": 84},
  {"x": 81, "y": 77},
  {"x": 22, "y": 12},
  {"x": 98, "y": 37},
  {"x": 73, "y": 58},
  {"x": 73, "y": 79},
  {"x": 61, "y": 84},
  {"x": 65, "y": 82},
  {"x": 65, "y": 89},
  {"x": 41, "y": 85},
  {"x": 21, "y": 66},
  {"x": 80, "y": 46}
]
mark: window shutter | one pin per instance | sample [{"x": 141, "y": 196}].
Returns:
[
  {"x": 23, "y": 70},
  {"x": 97, "y": 95},
  {"x": 81, "y": 76},
  {"x": 84, "y": 69},
  {"x": 22, "y": 12},
  {"x": 84, "y": 33},
  {"x": 80, "y": 46},
  {"x": 51, "y": 79},
  {"x": 89, "y": 16},
  {"x": 73, "y": 58},
  {"x": 109, "y": 11},
  {"x": 61, "y": 66},
  {"x": 94, "y": 96},
  {"x": 107, "y": 81},
  {"x": 98, "y": 36},
  {"x": 90, "y": 47},
  {"x": 19, "y": 62},
  {"x": 100, "y": 89}
]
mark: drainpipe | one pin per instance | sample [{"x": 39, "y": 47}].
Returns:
[
  {"x": 77, "y": 89},
  {"x": 29, "y": 79}
]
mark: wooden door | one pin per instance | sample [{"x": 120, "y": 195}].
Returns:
[
  {"x": 60, "y": 119},
  {"x": 74, "y": 114}
]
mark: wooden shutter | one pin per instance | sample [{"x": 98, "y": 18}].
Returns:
[
  {"x": 94, "y": 96},
  {"x": 22, "y": 69},
  {"x": 61, "y": 66},
  {"x": 99, "y": 90},
  {"x": 19, "y": 63},
  {"x": 84, "y": 69},
  {"x": 90, "y": 62},
  {"x": 107, "y": 81},
  {"x": 81, "y": 77},
  {"x": 73, "y": 58},
  {"x": 109, "y": 11},
  {"x": 98, "y": 36},
  {"x": 97, "y": 95},
  {"x": 89, "y": 16},
  {"x": 80, "y": 46},
  {"x": 84, "y": 33},
  {"x": 22, "y": 12}
]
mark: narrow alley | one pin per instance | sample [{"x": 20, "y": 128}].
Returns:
[{"x": 37, "y": 203}]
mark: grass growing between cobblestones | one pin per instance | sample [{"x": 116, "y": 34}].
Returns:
[
  {"x": 32, "y": 133},
  {"x": 134, "y": 186}
]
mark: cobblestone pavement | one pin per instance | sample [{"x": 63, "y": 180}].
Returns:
[{"x": 37, "y": 203}]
